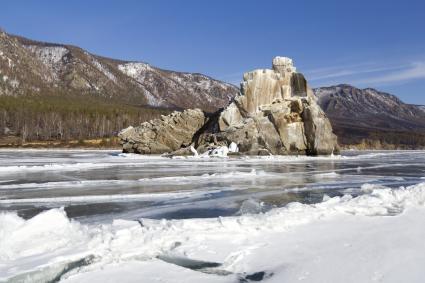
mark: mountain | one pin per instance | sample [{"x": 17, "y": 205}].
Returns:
[
  {"x": 51, "y": 91},
  {"x": 370, "y": 118},
  {"x": 35, "y": 68}
]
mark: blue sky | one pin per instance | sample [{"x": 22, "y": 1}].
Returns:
[{"x": 373, "y": 43}]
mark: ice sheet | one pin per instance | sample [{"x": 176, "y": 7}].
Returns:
[{"x": 379, "y": 233}]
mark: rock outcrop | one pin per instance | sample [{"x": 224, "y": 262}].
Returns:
[
  {"x": 275, "y": 113},
  {"x": 167, "y": 134}
]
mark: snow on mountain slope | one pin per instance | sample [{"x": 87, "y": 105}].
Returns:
[
  {"x": 368, "y": 114},
  {"x": 179, "y": 89},
  {"x": 62, "y": 69},
  {"x": 351, "y": 102}
]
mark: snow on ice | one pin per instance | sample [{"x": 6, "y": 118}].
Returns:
[{"x": 377, "y": 236}]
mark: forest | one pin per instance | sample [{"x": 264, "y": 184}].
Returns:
[
  {"x": 92, "y": 121},
  {"x": 25, "y": 119},
  {"x": 376, "y": 138}
]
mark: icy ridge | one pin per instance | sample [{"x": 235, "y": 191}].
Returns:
[{"x": 51, "y": 238}]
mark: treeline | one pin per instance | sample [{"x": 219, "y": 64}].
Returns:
[
  {"x": 45, "y": 118},
  {"x": 369, "y": 138}
]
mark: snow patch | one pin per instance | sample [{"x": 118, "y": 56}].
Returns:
[
  {"x": 138, "y": 71},
  {"x": 49, "y": 55},
  {"x": 14, "y": 83},
  {"x": 104, "y": 70},
  {"x": 152, "y": 100},
  {"x": 330, "y": 175},
  {"x": 135, "y": 70}
]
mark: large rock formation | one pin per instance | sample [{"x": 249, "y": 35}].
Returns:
[{"x": 276, "y": 113}]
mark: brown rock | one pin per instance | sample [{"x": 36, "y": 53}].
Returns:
[{"x": 167, "y": 134}]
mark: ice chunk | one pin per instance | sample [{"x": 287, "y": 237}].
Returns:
[
  {"x": 250, "y": 206},
  {"x": 233, "y": 147},
  {"x": 221, "y": 151},
  {"x": 194, "y": 151}
]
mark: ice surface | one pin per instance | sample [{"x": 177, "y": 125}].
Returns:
[
  {"x": 296, "y": 242},
  {"x": 103, "y": 216},
  {"x": 54, "y": 167},
  {"x": 34, "y": 180},
  {"x": 103, "y": 198}
]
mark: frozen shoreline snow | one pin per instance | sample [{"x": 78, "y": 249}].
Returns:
[{"x": 374, "y": 237}]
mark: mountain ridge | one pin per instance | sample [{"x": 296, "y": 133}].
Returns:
[
  {"x": 61, "y": 92},
  {"x": 69, "y": 68},
  {"x": 371, "y": 118}
]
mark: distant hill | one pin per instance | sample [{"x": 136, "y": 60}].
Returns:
[
  {"x": 372, "y": 119},
  {"x": 57, "y": 91},
  {"x": 34, "y": 67}
]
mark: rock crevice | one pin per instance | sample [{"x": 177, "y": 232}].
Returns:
[{"x": 275, "y": 113}]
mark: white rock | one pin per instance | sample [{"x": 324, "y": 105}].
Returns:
[{"x": 283, "y": 64}]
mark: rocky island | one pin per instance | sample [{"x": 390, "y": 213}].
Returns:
[{"x": 275, "y": 113}]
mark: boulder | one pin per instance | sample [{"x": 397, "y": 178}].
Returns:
[
  {"x": 169, "y": 133},
  {"x": 230, "y": 116},
  {"x": 275, "y": 113}
]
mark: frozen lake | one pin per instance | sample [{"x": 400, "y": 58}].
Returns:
[
  {"x": 102, "y": 185},
  {"x": 66, "y": 213}
]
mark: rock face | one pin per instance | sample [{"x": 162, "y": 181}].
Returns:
[
  {"x": 170, "y": 133},
  {"x": 276, "y": 113}
]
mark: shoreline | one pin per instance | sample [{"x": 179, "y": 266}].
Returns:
[
  {"x": 99, "y": 143},
  {"x": 119, "y": 149},
  {"x": 112, "y": 143},
  {"x": 96, "y": 146}
]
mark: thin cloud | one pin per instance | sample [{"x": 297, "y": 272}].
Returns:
[
  {"x": 332, "y": 69},
  {"x": 413, "y": 72},
  {"x": 347, "y": 72},
  {"x": 368, "y": 74}
]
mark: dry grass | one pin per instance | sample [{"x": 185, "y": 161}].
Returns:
[{"x": 104, "y": 143}]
